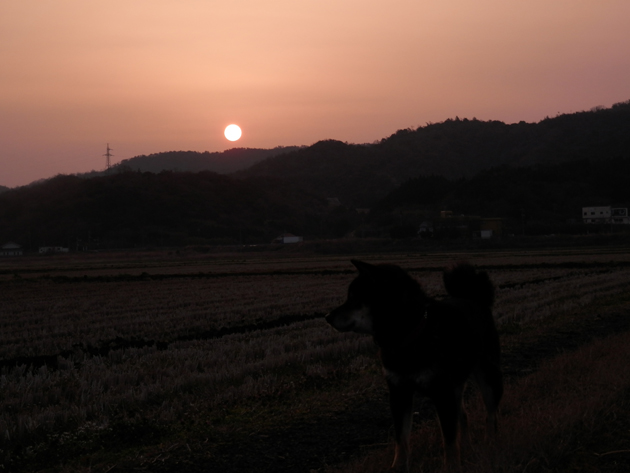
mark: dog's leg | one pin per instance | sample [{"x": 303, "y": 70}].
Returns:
[
  {"x": 464, "y": 434},
  {"x": 490, "y": 381},
  {"x": 448, "y": 404},
  {"x": 401, "y": 403}
]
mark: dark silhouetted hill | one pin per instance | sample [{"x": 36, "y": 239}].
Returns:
[
  {"x": 192, "y": 161},
  {"x": 3, "y": 189},
  {"x": 543, "y": 198},
  {"x": 139, "y": 209},
  {"x": 537, "y": 176},
  {"x": 360, "y": 175}
]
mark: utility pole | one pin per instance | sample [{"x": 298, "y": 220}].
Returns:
[{"x": 108, "y": 155}]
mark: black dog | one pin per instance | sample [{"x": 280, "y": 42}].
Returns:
[{"x": 428, "y": 346}]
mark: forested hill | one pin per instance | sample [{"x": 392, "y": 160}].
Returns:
[
  {"x": 130, "y": 209},
  {"x": 362, "y": 174},
  {"x": 546, "y": 198},
  {"x": 524, "y": 173},
  {"x": 221, "y": 162},
  {"x": 3, "y": 189}
]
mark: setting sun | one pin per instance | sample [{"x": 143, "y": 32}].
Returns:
[
  {"x": 178, "y": 81},
  {"x": 232, "y": 132}
]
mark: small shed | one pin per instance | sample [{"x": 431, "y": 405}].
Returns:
[
  {"x": 11, "y": 249},
  {"x": 46, "y": 250},
  {"x": 288, "y": 238},
  {"x": 426, "y": 229},
  {"x": 491, "y": 227}
]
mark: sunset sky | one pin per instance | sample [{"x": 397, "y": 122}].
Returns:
[{"x": 158, "y": 75}]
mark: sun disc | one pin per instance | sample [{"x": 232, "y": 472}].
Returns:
[{"x": 233, "y": 132}]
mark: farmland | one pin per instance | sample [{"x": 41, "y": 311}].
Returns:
[{"x": 166, "y": 361}]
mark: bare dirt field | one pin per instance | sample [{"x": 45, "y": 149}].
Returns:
[{"x": 179, "y": 361}]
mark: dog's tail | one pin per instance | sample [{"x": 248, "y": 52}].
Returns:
[{"x": 464, "y": 281}]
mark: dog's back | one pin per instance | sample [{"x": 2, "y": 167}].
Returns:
[
  {"x": 474, "y": 292},
  {"x": 463, "y": 281}
]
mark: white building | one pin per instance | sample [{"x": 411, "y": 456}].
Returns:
[
  {"x": 605, "y": 214},
  {"x": 620, "y": 215},
  {"x": 11, "y": 249},
  {"x": 288, "y": 238}
]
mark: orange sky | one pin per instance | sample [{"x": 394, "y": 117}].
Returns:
[{"x": 159, "y": 75}]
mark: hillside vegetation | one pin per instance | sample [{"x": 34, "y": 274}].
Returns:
[
  {"x": 361, "y": 174},
  {"x": 192, "y": 161},
  {"x": 168, "y": 209},
  {"x": 536, "y": 177},
  {"x": 541, "y": 198}
]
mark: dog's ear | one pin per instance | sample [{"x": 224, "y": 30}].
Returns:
[{"x": 364, "y": 268}]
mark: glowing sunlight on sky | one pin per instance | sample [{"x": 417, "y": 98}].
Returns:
[{"x": 157, "y": 75}]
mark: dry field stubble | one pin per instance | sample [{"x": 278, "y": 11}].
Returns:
[
  {"x": 571, "y": 415},
  {"x": 173, "y": 352}
]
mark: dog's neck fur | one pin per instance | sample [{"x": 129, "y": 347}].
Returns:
[
  {"x": 402, "y": 339},
  {"x": 410, "y": 325},
  {"x": 399, "y": 306}
]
